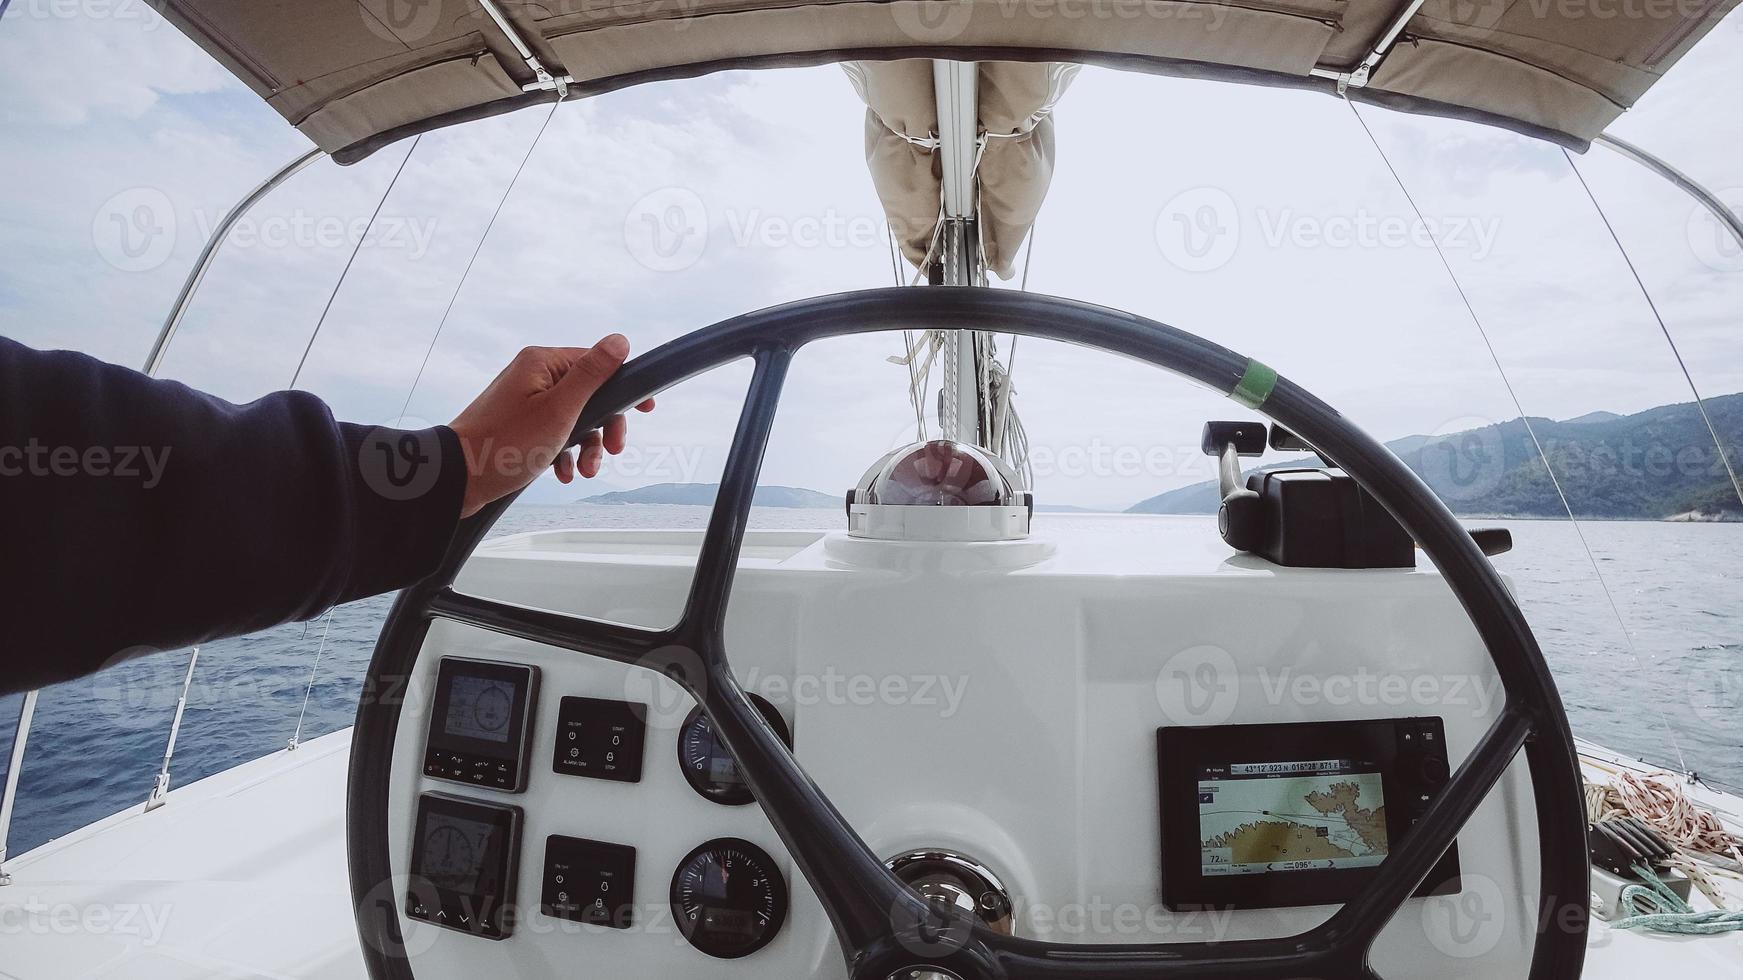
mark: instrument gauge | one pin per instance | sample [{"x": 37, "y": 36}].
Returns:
[
  {"x": 709, "y": 767},
  {"x": 729, "y": 898}
]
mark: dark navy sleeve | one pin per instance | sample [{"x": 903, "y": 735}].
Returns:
[{"x": 139, "y": 515}]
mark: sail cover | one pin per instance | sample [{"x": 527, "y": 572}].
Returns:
[{"x": 354, "y": 75}]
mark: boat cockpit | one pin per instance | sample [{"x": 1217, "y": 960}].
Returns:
[{"x": 1317, "y": 740}]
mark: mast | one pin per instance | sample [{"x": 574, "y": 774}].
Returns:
[{"x": 959, "y": 262}]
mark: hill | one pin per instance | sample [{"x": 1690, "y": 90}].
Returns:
[
  {"x": 703, "y": 494},
  {"x": 1659, "y": 464}
]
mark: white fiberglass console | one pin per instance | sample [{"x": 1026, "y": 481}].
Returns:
[{"x": 1038, "y": 708}]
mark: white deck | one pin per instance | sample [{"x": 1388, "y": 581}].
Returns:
[
  {"x": 184, "y": 893},
  {"x": 238, "y": 875}
]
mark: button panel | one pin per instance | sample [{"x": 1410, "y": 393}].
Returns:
[
  {"x": 464, "y": 767},
  {"x": 589, "y": 881},
  {"x": 601, "y": 739}
]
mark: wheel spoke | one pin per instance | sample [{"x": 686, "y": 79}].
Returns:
[
  {"x": 705, "y": 611},
  {"x": 864, "y": 899},
  {"x": 1405, "y": 867},
  {"x": 613, "y": 641}
]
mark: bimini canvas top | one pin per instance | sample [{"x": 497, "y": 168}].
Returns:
[{"x": 354, "y": 75}]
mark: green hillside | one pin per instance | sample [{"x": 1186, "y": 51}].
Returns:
[{"x": 1659, "y": 464}]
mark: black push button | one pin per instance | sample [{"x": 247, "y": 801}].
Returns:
[
  {"x": 589, "y": 881},
  {"x": 599, "y": 738}
]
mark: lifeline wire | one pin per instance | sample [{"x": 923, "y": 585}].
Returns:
[
  {"x": 475, "y": 250},
  {"x": 354, "y": 250},
  {"x": 1700, "y": 402},
  {"x": 1519, "y": 407}
]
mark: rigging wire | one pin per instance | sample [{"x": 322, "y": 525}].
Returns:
[
  {"x": 358, "y": 247},
  {"x": 1518, "y": 406},
  {"x": 297, "y": 736},
  {"x": 1700, "y": 403},
  {"x": 467, "y": 272}
]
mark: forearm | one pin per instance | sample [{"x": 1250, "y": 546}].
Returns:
[{"x": 139, "y": 515}]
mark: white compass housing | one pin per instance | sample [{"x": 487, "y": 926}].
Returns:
[{"x": 939, "y": 491}]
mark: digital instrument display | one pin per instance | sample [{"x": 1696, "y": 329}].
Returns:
[
  {"x": 480, "y": 723},
  {"x": 728, "y": 898},
  {"x": 1258, "y": 817},
  {"x": 464, "y": 855},
  {"x": 1266, "y": 816},
  {"x": 708, "y": 766},
  {"x": 479, "y": 707}
]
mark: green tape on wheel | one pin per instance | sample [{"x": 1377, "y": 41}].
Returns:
[{"x": 1256, "y": 384}]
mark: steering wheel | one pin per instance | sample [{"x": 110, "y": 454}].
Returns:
[{"x": 883, "y": 927}]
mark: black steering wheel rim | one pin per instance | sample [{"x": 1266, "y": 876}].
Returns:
[{"x": 881, "y": 925}]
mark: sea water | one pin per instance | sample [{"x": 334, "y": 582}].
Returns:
[{"x": 1649, "y": 662}]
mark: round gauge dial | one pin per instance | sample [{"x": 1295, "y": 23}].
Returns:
[
  {"x": 709, "y": 768},
  {"x": 492, "y": 708},
  {"x": 728, "y": 898}
]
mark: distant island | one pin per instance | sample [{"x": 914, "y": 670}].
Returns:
[
  {"x": 1659, "y": 464},
  {"x": 704, "y": 494}
]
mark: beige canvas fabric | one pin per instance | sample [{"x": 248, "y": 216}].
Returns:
[{"x": 354, "y": 74}]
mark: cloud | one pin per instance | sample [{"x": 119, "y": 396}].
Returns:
[{"x": 65, "y": 62}]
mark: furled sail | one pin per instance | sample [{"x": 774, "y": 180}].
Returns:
[{"x": 1015, "y": 158}]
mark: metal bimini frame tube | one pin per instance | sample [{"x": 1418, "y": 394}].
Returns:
[
  {"x": 153, "y": 362},
  {"x": 173, "y": 322},
  {"x": 1728, "y": 218}
]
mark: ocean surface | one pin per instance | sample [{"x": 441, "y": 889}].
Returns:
[{"x": 1668, "y": 687}]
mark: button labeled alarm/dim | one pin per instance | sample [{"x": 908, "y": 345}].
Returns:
[{"x": 601, "y": 739}]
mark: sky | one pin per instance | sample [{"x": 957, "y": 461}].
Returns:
[{"x": 1262, "y": 219}]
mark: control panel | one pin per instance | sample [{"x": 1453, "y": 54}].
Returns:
[
  {"x": 464, "y": 859},
  {"x": 727, "y": 897},
  {"x": 481, "y": 723}
]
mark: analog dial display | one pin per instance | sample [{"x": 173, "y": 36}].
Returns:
[
  {"x": 707, "y": 764},
  {"x": 729, "y": 898}
]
